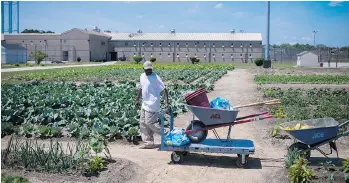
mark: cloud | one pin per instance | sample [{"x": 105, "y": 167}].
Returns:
[
  {"x": 335, "y": 3},
  {"x": 219, "y": 5},
  {"x": 307, "y": 38},
  {"x": 194, "y": 9},
  {"x": 239, "y": 14},
  {"x": 139, "y": 16}
]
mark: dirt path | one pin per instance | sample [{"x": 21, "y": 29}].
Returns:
[{"x": 155, "y": 166}]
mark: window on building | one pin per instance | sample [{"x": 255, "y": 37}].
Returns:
[
  {"x": 240, "y": 55},
  {"x": 204, "y": 44},
  {"x": 151, "y": 44},
  {"x": 250, "y": 54},
  {"x": 232, "y": 45},
  {"x": 186, "y": 44},
  {"x": 177, "y": 54},
  {"x": 222, "y": 54},
  {"x": 168, "y": 54},
  {"x": 102, "y": 43},
  {"x": 22, "y": 41},
  {"x": 160, "y": 44},
  {"x": 195, "y": 44},
  {"x": 213, "y": 54},
  {"x": 169, "y": 44},
  {"x": 159, "y": 53},
  {"x": 134, "y": 44},
  {"x": 143, "y": 44},
  {"x": 142, "y": 53},
  {"x": 177, "y": 44},
  {"x": 126, "y": 44},
  {"x": 222, "y": 45},
  {"x": 250, "y": 45}
]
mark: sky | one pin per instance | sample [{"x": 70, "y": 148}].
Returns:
[{"x": 291, "y": 22}]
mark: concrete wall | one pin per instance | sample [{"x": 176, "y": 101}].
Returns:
[
  {"x": 181, "y": 51},
  {"x": 99, "y": 47},
  {"x": 77, "y": 44}
]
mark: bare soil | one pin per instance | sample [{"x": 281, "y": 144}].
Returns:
[
  {"x": 307, "y": 86},
  {"x": 142, "y": 165}
]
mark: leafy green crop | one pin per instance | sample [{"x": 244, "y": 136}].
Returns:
[
  {"x": 43, "y": 109},
  {"x": 310, "y": 79},
  {"x": 300, "y": 104}
]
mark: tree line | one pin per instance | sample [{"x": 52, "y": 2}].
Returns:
[
  {"x": 305, "y": 46},
  {"x": 35, "y": 31}
]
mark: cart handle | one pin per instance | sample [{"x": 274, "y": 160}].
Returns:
[{"x": 344, "y": 124}]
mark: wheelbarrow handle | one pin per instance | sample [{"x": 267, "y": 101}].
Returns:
[{"x": 343, "y": 124}]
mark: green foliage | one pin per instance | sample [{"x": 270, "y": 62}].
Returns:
[
  {"x": 35, "y": 156},
  {"x": 197, "y": 60},
  {"x": 259, "y": 61},
  {"x": 35, "y": 31},
  {"x": 7, "y": 129},
  {"x": 137, "y": 59},
  {"x": 13, "y": 179},
  {"x": 309, "y": 79},
  {"x": 152, "y": 59},
  {"x": 278, "y": 112},
  {"x": 275, "y": 131},
  {"x": 96, "y": 165},
  {"x": 300, "y": 172},
  {"x": 301, "y": 104},
  {"x": 38, "y": 56},
  {"x": 292, "y": 156},
  {"x": 346, "y": 165}
]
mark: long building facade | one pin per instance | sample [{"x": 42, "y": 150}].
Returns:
[{"x": 167, "y": 47}]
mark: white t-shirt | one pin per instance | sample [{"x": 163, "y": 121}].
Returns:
[{"x": 151, "y": 87}]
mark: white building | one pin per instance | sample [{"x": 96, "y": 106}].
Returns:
[{"x": 308, "y": 59}]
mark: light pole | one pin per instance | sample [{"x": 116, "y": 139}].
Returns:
[
  {"x": 267, "y": 62},
  {"x": 314, "y": 32}
]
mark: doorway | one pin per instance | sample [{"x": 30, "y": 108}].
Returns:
[
  {"x": 65, "y": 56},
  {"x": 113, "y": 56}
]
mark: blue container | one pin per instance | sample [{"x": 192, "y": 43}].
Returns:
[{"x": 321, "y": 129}]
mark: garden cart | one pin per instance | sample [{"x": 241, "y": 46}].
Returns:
[
  {"x": 209, "y": 119},
  {"x": 317, "y": 133}
]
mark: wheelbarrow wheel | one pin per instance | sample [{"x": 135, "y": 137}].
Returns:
[
  {"x": 240, "y": 163},
  {"x": 177, "y": 157},
  {"x": 301, "y": 146},
  {"x": 197, "y": 137}
]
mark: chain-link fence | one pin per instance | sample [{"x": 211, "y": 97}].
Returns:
[{"x": 325, "y": 54}]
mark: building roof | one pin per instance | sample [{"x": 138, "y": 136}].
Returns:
[
  {"x": 186, "y": 36},
  {"x": 88, "y": 32},
  {"x": 7, "y": 46}
]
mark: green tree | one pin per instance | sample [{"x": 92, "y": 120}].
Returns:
[
  {"x": 35, "y": 31},
  {"x": 38, "y": 56}
]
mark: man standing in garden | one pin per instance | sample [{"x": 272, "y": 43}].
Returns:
[{"x": 150, "y": 88}]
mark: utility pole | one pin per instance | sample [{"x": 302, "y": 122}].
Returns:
[
  {"x": 314, "y": 32},
  {"x": 267, "y": 62}
]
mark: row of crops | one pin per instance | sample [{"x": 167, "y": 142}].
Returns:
[
  {"x": 52, "y": 109},
  {"x": 309, "y": 79},
  {"x": 301, "y": 104}
]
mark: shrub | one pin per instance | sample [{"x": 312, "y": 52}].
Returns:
[
  {"x": 38, "y": 56},
  {"x": 137, "y": 59},
  {"x": 152, "y": 59},
  {"x": 197, "y": 60},
  {"x": 193, "y": 60},
  {"x": 78, "y": 59},
  {"x": 259, "y": 61},
  {"x": 300, "y": 172},
  {"x": 17, "y": 65}
]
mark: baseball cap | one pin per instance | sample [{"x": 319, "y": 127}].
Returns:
[{"x": 148, "y": 65}]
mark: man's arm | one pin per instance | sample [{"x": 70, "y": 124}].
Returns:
[
  {"x": 138, "y": 95},
  {"x": 166, "y": 97}
]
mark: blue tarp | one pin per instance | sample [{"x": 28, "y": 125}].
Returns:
[
  {"x": 220, "y": 103},
  {"x": 177, "y": 138}
]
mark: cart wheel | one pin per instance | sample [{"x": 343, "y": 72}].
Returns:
[
  {"x": 301, "y": 146},
  {"x": 197, "y": 137},
  {"x": 177, "y": 157},
  {"x": 241, "y": 164}
]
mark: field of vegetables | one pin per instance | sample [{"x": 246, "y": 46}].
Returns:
[
  {"x": 304, "y": 79},
  {"x": 300, "y": 104},
  {"x": 54, "y": 103}
]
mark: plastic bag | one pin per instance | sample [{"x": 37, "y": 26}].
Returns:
[
  {"x": 177, "y": 138},
  {"x": 220, "y": 103}
]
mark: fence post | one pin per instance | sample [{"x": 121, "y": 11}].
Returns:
[{"x": 337, "y": 57}]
